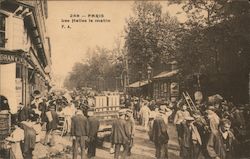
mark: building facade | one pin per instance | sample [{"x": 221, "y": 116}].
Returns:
[{"x": 25, "y": 51}]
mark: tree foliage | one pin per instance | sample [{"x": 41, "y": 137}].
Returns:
[
  {"x": 215, "y": 42},
  {"x": 99, "y": 71},
  {"x": 150, "y": 37}
]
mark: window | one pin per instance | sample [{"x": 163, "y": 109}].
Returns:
[{"x": 2, "y": 29}]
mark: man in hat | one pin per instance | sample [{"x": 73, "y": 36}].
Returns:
[
  {"x": 52, "y": 121},
  {"x": 178, "y": 119},
  {"x": 221, "y": 143},
  {"x": 213, "y": 118},
  {"x": 191, "y": 140},
  {"x": 94, "y": 124},
  {"x": 42, "y": 106},
  {"x": 79, "y": 131},
  {"x": 120, "y": 135},
  {"x": 131, "y": 125},
  {"x": 28, "y": 144},
  {"x": 23, "y": 113},
  {"x": 145, "y": 113},
  {"x": 160, "y": 136}
]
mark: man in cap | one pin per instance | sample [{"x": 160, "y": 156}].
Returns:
[
  {"x": 160, "y": 136},
  {"x": 28, "y": 144},
  {"x": 131, "y": 125},
  {"x": 191, "y": 140},
  {"x": 221, "y": 143},
  {"x": 94, "y": 124},
  {"x": 79, "y": 132},
  {"x": 52, "y": 121},
  {"x": 145, "y": 113},
  {"x": 120, "y": 135},
  {"x": 213, "y": 118},
  {"x": 178, "y": 119},
  {"x": 23, "y": 113}
]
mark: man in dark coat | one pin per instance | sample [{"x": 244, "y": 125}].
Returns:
[
  {"x": 28, "y": 145},
  {"x": 131, "y": 125},
  {"x": 94, "y": 124},
  {"x": 52, "y": 121},
  {"x": 43, "y": 108},
  {"x": 160, "y": 137},
  {"x": 221, "y": 143},
  {"x": 120, "y": 135},
  {"x": 191, "y": 140},
  {"x": 23, "y": 113},
  {"x": 79, "y": 132}
]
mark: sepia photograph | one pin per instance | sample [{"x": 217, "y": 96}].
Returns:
[{"x": 123, "y": 79}]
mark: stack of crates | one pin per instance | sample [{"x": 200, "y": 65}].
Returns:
[{"x": 107, "y": 107}]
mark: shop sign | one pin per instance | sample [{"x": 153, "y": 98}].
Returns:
[
  {"x": 19, "y": 90},
  {"x": 10, "y": 58},
  {"x": 174, "y": 89}
]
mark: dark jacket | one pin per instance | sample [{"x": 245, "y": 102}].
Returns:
[
  {"x": 52, "y": 125},
  {"x": 79, "y": 125},
  {"x": 216, "y": 147},
  {"x": 23, "y": 114},
  {"x": 159, "y": 131},
  {"x": 43, "y": 108},
  {"x": 93, "y": 127},
  {"x": 120, "y": 133}
]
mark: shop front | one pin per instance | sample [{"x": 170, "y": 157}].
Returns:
[
  {"x": 166, "y": 86},
  {"x": 19, "y": 77}
]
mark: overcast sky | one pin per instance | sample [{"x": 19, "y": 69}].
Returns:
[{"x": 69, "y": 45}]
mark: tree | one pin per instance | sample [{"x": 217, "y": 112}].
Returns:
[
  {"x": 215, "y": 42},
  {"x": 98, "y": 71},
  {"x": 150, "y": 37}
]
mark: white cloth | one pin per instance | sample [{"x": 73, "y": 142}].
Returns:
[
  {"x": 17, "y": 135},
  {"x": 167, "y": 115},
  {"x": 214, "y": 121},
  {"x": 180, "y": 116}
]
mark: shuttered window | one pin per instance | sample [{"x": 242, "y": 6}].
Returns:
[{"x": 2, "y": 29}]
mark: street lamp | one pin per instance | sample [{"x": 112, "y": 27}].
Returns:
[
  {"x": 140, "y": 74},
  {"x": 149, "y": 70}
]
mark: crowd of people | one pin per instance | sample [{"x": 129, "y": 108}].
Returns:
[
  {"x": 42, "y": 115},
  {"x": 212, "y": 130},
  {"x": 205, "y": 130}
]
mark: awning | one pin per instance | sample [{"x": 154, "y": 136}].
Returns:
[
  {"x": 166, "y": 74},
  {"x": 138, "y": 84}
]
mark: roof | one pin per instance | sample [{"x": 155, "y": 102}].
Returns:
[
  {"x": 138, "y": 84},
  {"x": 166, "y": 74}
]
